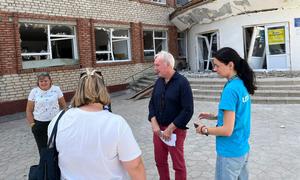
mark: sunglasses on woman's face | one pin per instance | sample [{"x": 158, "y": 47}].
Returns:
[
  {"x": 97, "y": 72},
  {"x": 43, "y": 74}
]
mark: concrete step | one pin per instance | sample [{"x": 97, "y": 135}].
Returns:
[
  {"x": 255, "y": 100},
  {"x": 271, "y": 90},
  {"x": 207, "y": 81},
  {"x": 260, "y": 82},
  {"x": 141, "y": 84},
  {"x": 150, "y": 76},
  {"x": 146, "y": 80},
  {"x": 258, "y": 93},
  {"x": 279, "y": 87},
  {"x": 259, "y": 87},
  {"x": 207, "y": 86},
  {"x": 278, "y": 81}
]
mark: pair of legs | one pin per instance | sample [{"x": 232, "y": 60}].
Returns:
[
  {"x": 233, "y": 168},
  {"x": 161, "y": 151},
  {"x": 39, "y": 131}
]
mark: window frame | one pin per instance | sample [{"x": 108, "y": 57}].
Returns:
[
  {"x": 156, "y": 38},
  {"x": 184, "y": 39},
  {"x": 50, "y": 38},
  {"x": 159, "y": 1},
  {"x": 178, "y": 4},
  {"x": 112, "y": 39}
]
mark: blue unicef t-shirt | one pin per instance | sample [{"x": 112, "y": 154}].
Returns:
[{"x": 236, "y": 98}]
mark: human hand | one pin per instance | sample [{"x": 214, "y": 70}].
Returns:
[
  {"x": 166, "y": 134},
  {"x": 198, "y": 125},
  {"x": 156, "y": 130},
  {"x": 33, "y": 128},
  {"x": 206, "y": 115},
  {"x": 155, "y": 127}
]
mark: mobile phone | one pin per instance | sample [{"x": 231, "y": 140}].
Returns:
[{"x": 196, "y": 125}]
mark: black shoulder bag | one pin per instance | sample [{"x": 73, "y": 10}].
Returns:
[{"x": 48, "y": 168}]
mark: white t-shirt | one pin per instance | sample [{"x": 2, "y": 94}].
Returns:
[
  {"x": 92, "y": 144},
  {"x": 45, "y": 102}
]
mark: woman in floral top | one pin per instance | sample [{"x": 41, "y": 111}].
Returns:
[{"x": 44, "y": 102}]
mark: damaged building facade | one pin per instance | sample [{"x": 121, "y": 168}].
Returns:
[
  {"x": 266, "y": 33},
  {"x": 119, "y": 38}
]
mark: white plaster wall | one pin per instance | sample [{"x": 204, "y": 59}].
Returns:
[{"x": 231, "y": 32}]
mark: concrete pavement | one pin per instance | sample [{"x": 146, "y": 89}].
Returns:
[{"x": 275, "y": 142}]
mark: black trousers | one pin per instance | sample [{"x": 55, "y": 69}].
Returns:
[{"x": 39, "y": 131}]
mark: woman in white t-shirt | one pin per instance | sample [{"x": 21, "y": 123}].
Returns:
[
  {"x": 44, "y": 102},
  {"x": 94, "y": 143}
]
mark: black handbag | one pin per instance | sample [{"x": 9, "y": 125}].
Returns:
[{"x": 47, "y": 169}]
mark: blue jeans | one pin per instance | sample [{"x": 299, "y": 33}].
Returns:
[{"x": 232, "y": 168}]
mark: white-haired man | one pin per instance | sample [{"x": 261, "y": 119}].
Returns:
[{"x": 170, "y": 109}]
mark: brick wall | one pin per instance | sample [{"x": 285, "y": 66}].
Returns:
[
  {"x": 171, "y": 3},
  {"x": 121, "y": 10},
  {"x": 137, "y": 43},
  {"x": 86, "y": 44},
  {"x": 17, "y": 86},
  {"x": 172, "y": 41},
  {"x": 13, "y": 64},
  {"x": 8, "y": 62},
  {"x": 16, "y": 83}
]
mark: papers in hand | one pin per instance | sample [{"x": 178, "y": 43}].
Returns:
[{"x": 171, "y": 142}]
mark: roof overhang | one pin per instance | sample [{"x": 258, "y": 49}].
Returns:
[{"x": 207, "y": 11}]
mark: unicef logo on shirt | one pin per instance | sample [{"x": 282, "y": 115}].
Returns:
[{"x": 245, "y": 98}]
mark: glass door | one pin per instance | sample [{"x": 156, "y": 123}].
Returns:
[
  {"x": 277, "y": 46},
  {"x": 207, "y": 44},
  {"x": 257, "y": 51},
  {"x": 202, "y": 51}
]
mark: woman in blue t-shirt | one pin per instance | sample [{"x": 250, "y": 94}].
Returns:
[{"x": 234, "y": 115}]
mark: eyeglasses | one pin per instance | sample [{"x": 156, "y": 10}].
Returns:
[
  {"x": 92, "y": 73},
  {"x": 43, "y": 74}
]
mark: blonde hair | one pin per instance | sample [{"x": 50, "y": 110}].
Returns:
[{"x": 91, "y": 89}]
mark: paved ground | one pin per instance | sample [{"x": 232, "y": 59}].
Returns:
[{"x": 275, "y": 142}]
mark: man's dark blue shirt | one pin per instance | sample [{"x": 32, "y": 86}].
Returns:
[{"x": 172, "y": 101}]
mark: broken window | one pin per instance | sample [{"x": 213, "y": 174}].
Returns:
[
  {"x": 254, "y": 46},
  {"x": 182, "y": 2},
  {"x": 112, "y": 44},
  {"x": 44, "y": 45},
  {"x": 208, "y": 44},
  {"x": 181, "y": 44},
  {"x": 154, "y": 42},
  {"x": 181, "y": 61},
  {"x": 266, "y": 46},
  {"x": 159, "y": 1}
]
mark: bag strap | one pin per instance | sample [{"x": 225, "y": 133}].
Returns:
[{"x": 54, "y": 131}]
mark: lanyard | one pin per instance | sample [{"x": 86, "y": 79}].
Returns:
[{"x": 232, "y": 78}]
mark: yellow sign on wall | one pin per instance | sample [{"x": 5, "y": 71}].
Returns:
[{"x": 276, "y": 36}]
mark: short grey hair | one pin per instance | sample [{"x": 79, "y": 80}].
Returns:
[{"x": 167, "y": 58}]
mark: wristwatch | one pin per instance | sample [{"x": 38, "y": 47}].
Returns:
[{"x": 205, "y": 131}]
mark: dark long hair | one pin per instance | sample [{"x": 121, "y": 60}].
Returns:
[{"x": 244, "y": 71}]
